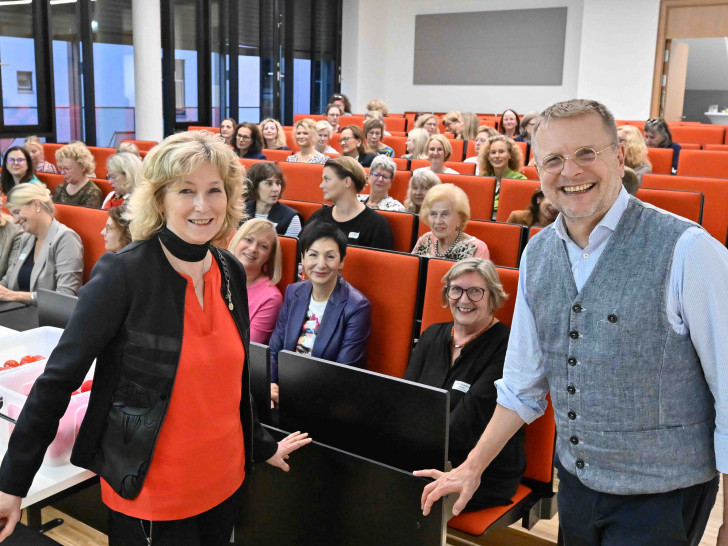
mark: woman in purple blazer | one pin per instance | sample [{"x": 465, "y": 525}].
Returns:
[{"x": 324, "y": 316}]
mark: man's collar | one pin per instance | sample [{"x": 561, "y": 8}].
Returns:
[{"x": 609, "y": 221}]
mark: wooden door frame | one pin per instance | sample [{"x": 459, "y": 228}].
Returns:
[{"x": 664, "y": 36}]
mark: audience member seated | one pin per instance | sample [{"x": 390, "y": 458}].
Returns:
[
  {"x": 454, "y": 123},
  {"x": 427, "y": 122},
  {"x": 128, "y": 148},
  {"x": 447, "y": 211},
  {"x": 658, "y": 135},
  {"x": 381, "y": 175},
  {"x": 471, "y": 124},
  {"x": 635, "y": 150},
  {"x": 484, "y": 133},
  {"x": 123, "y": 170},
  {"x": 374, "y": 130},
  {"x": 17, "y": 168},
  {"x": 439, "y": 150},
  {"x": 502, "y": 158},
  {"x": 416, "y": 144},
  {"x": 46, "y": 255},
  {"x": 525, "y": 127},
  {"x": 227, "y": 131},
  {"x": 267, "y": 185},
  {"x": 631, "y": 181},
  {"x": 306, "y": 137},
  {"x": 274, "y": 138},
  {"x": 342, "y": 101},
  {"x": 325, "y": 316},
  {"x": 35, "y": 149},
  {"x": 9, "y": 230},
  {"x": 248, "y": 141},
  {"x": 116, "y": 231},
  {"x": 256, "y": 246},
  {"x": 540, "y": 212},
  {"x": 333, "y": 115},
  {"x": 324, "y": 130},
  {"x": 379, "y": 106},
  {"x": 466, "y": 357},
  {"x": 77, "y": 164},
  {"x": 376, "y": 114},
  {"x": 353, "y": 144},
  {"x": 419, "y": 185},
  {"x": 343, "y": 178},
  {"x": 509, "y": 124}
]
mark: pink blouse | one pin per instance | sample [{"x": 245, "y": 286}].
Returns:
[{"x": 264, "y": 304}]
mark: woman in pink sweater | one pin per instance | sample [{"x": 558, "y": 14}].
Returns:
[{"x": 256, "y": 246}]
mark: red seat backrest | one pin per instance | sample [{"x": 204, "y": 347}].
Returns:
[
  {"x": 143, "y": 145},
  {"x": 398, "y": 144},
  {"x": 515, "y": 195},
  {"x": 715, "y": 190},
  {"x": 688, "y": 204},
  {"x": 306, "y": 208},
  {"x": 315, "y": 117},
  {"x": 707, "y": 134},
  {"x": 303, "y": 181},
  {"x": 503, "y": 240},
  {"x": 101, "y": 155},
  {"x": 394, "y": 124},
  {"x": 49, "y": 151},
  {"x": 690, "y": 145},
  {"x": 703, "y": 163},
  {"x": 433, "y": 310},
  {"x": 104, "y": 185},
  {"x": 530, "y": 172},
  {"x": 289, "y": 262},
  {"x": 716, "y": 147},
  {"x": 52, "y": 181},
  {"x": 533, "y": 230},
  {"x": 202, "y": 128},
  {"x": 480, "y": 191},
  {"x": 400, "y": 185},
  {"x": 459, "y": 166},
  {"x": 404, "y": 228},
  {"x": 276, "y": 155},
  {"x": 380, "y": 275},
  {"x": 352, "y": 120},
  {"x": 661, "y": 159},
  {"x": 88, "y": 223},
  {"x": 247, "y": 163},
  {"x": 540, "y": 440}
]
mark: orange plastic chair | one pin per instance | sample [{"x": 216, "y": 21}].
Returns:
[
  {"x": 303, "y": 181},
  {"x": 690, "y": 145},
  {"x": 706, "y": 134},
  {"x": 716, "y": 147},
  {"x": 276, "y": 155},
  {"x": 398, "y": 144},
  {"x": 289, "y": 262},
  {"x": 104, "y": 185},
  {"x": 515, "y": 195},
  {"x": 49, "y": 151},
  {"x": 143, "y": 145},
  {"x": 306, "y": 208},
  {"x": 203, "y": 128},
  {"x": 715, "y": 190},
  {"x": 459, "y": 166},
  {"x": 533, "y": 231},
  {"x": 380, "y": 275},
  {"x": 88, "y": 223},
  {"x": 101, "y": 155},
  {"x": 52, "y": 181},
  {"x": 247, "y": 163},
  {"x": 688, "y": 204},
  {"x": 661, "y": 159},
  {"x": 703, "y": 163},
  {"x": 315, "y": 117},
  {"x": 352, "y": 120},
  {"x": 404, "y": 229},
  {"x": 400, "y": 185},
  {"x": 291, "y": 141},
  {"x": 480, "y": 191},
  {"x": 531, "y": 173},
  {"x": 394, "y": 123},
  {"x": 432, "y": 308},
  {"x": 504, "y": 240}
]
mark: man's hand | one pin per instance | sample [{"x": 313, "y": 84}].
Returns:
[
  {"x": 274, "y": 393},
  {"x": 289, "y": 444},
  {"x": 463, "y": 480},
  {"x": 9, "y": 514}
]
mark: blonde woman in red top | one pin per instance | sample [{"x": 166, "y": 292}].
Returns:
[{"x": 170, "y": 426}]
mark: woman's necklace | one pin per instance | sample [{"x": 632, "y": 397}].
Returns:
[
  {"x": 437, "y": 246},
  {"x": 181, "y": 269},
  {"x": 452, "y": 334}
]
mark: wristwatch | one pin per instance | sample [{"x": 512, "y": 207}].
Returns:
[{"x": 34, "y": 298}]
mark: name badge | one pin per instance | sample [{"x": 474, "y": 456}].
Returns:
[
  {"x": 353, "y": 235},
  {"x": 22, "y": 257},
  {"x": 461, "y": 386},
  {"x": 310, "y": 325}
]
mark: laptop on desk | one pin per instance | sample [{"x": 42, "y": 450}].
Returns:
[{"x": 54, "y": 308}]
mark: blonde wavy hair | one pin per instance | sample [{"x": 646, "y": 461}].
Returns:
[
  {"x": 79, "y": 153},
  {"x": 426, "y": 177},
  {"x": 442, "y": 139},
  {"x": 446, "y": 192},
  {"x": 280, "y": 141},
  {"x": 273, "y": 266},
  {"x": 164, "y": 168},
  {"x": 515, "y": 162},
  {"x": 635, "y": 148},
  {"x": 419, "y": 138},
  {"x": 26, "y": 193},
  {"x": 128, "y": 164}
]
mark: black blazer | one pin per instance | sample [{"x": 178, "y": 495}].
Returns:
[
  {"x": 280, "y": 214},
  {"x": 130, "y": 318}
]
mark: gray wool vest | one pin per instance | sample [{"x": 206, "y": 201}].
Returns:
[{"x": 633, "y": 411}]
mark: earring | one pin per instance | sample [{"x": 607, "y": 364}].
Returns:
[{"x": 37, "y": 210}]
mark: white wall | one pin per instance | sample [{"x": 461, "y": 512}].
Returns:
[{"x": 378, "y": 57}]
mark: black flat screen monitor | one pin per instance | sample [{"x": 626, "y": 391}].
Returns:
[
  {"x": 54, "y": 308},
  {"x": 385, "y": 419},
  {"x": 260, "y": 380}
]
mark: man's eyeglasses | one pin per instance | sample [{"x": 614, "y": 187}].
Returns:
[
  {"x": 474, "y": 293},
  {"x": 583, "y": 157},
  {"x": 383, "y": 176}
]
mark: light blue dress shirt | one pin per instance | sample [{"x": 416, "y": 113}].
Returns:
[{"x": 697, "y": 303}]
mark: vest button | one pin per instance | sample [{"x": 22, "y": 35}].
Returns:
[
  {"x": 570, "y": 389},
  {"x": 576, "y": 308},
  {"x": 572, "y": 361},
  {"x": 574, "y": 440},
  {"x": 572, "y": 415},
  {"x": 573, "y": 334},
  {"x": 612, "y": 318},
  {"x": 579, "y": 463}
]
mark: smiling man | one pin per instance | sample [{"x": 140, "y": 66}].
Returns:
[{"x": 619, "y": 316}]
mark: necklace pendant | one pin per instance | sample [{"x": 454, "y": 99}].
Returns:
[{"x": 231, "y": 306}]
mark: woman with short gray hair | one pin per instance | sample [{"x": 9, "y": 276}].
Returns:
[{"x": 381, "y": 176}]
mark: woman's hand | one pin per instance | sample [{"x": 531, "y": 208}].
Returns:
[
  {"x": 286, "y": 446},
  {"x": 6, "y": 294},
  {"x": 9, "y": 514},
  {"x": 274, "y": 393}
]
